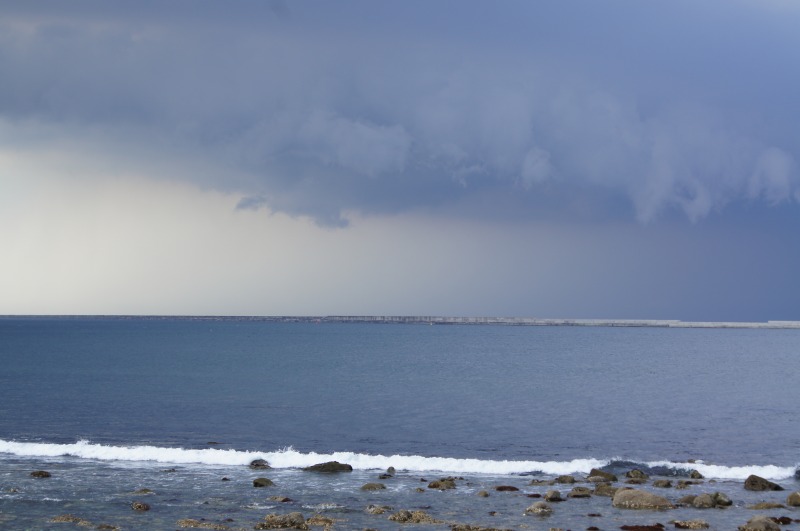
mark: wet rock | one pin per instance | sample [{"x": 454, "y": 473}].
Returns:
[
  {"x": 691, "y": 524},
  {"x": 143, "y": 491},
  {"x": 763, "y": 506},
  {"x": 607, "y": 476},
  {"x": 321, "y": 521},
  {"x": 373, "y": 486},
  {"x": 760, "y": 523},
  {"x": 506, "y": 488},
  {"x": 413, "y": 517},
  {"x": 793, "y": 500},
  {"x": 200, "y": 524},
  {"x": 662, "y": 483},
  {"x": 140, "y": 506},
  {"x": 540, "y": 508},
  {"x": 443, "y": 484},
  {"x": 758, "y": 483},
  {"x": 483, "y": 494},
  {"x": 259, "y": 464},
  {"x": 263, "y": 482},
  {"x": 694, "y": 474},
  {"x": 721, "y": 500},
  {"x": 654, "y": 527},
  {"x": 605, "y": 489},
  {"x": 782, "y": 520},
  {"x": 385, "y": 476},
  {"x": 541, "y": 482},
  {"x": 640, "y": 499},
  {"x": 280, "y": 499},
  {"x": 565, "y": 480},
  {"x": 329, "y": 467},
  {"x": 391, "y": 471},
  {"x": 636, "y": 481},
  {"x": 71, "y": 519},
  {"x": 687, "y": 500},
  {"x": 283, "y": 521},
  {"x": 378, "y": 509},
  {"x": 468, "y": 527},
  {"x": 580, "y": 492},
  {"x": 703, "y": 501},
  {"x": 553, "y": 496},
  {"x": 636, "y": 474},
  {"x": 40, "y": 474}
]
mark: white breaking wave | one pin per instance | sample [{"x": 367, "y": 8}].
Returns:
[{"x": 290, "y": 458}]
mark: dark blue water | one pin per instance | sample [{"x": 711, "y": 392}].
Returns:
[
  {"x": 110, "y": 406},
  {"x": 488, "y": 392}
]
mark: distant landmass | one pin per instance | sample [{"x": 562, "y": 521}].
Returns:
[{"x": 441, "y": 320}]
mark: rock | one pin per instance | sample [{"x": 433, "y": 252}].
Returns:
[
  {"x": 703, "y": 501},
  {"x": 321, "y": 521},
  {"x": 40, "y": 474},
  {"x": 329, "y": 467},
  {"x": 640, "y": 499},
  {"x": 758, "y": 483},
  {"x": 687, "y": 500},
  {"x": 636, "y": 481},
  {"x": 259, "y": 464},
  {"x": 636, "y": 474},
  {"x": 143, "y": 491},
  {"x": 140, "y": 506},
  {"x": 483, "y": 494},
  {"x": 283, "y": 521},
  {"x": 553, "y": 496},
  {"x": 691, "y": 524},
  {"x": 565, "y": 480},
  {"x": 540, "y": 508},
  {"x": 385, "y": 476},
  {"x": 199, "y": 524},
  {"x": 722, "y": 500},
  {"x": 608, "y": 476},
  {"x": 793, "y": 500},
  {"x": 378, "y": 509},
  {"x": 763, "y": 506},
  {"x": 694, "y": 474},
  {"x": 654, "y": 527},
  {"x": 443, "y": 484},
  {"x": 373, "y": 486},
  {"x": 760, "y": 523},
  {"x": 605, "y": 489},
  {"x": 662, "y": 483},
  {"x": 580, "y": 492},
  {"x": 263, "y": 482},
  {"x": 506, "y": 488},
  {"x": 71, "y": 519},
  {"x": 686, "y": 483},
  {"x": 541, "y": 482},
  {"x": 391, "y": 471},
  {"x": 280, "y": 499},
  {"x": 413, "y": 517}
]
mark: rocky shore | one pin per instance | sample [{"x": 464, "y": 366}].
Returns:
[{"x": 332, "y": 496}]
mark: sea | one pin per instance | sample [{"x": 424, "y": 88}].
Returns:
[{"x": 171, "y": 411}]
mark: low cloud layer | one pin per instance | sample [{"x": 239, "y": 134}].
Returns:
[{"x": 597, "y": 110}]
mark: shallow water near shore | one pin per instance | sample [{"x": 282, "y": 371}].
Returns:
[{"x": 107, "y": 405}]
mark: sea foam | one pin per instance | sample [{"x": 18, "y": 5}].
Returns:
[{"x": 290, "y": 458}]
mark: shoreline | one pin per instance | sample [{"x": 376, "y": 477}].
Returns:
[{"x": 439, "y": 320}]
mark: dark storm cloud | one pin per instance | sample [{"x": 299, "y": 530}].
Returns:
[{"x": 596, "y": 109}]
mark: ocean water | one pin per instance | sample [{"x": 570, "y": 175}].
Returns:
[{"x": 110, "y": 406}]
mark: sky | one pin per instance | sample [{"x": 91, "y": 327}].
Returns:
[{"x": 583, "y": 159}]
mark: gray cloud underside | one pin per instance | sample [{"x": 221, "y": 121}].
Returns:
[{"x": 593, "y": 109}]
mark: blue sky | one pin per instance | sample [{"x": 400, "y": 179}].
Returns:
[{"x": 611, "y": 159}]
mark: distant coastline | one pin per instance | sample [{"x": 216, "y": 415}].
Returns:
[{"x": 442, "y": 320}]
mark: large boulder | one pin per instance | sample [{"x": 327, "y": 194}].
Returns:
[
  {"x": 640, "y": 499},
  {"x": 553, "y": 496},
  {"x": 760, "y": 523},
  {"x": 757, "y": 483},
  {"x": 259, "y": 464},
  {"x": 793, "y": 500},
  {"x": 607, "y": 476},
  {"x": 703, "y": 501},
  {"x": 330, "y": 466},
  {"x": 263, "y": 482},
  {"x": 283, "y": 521}
]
